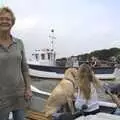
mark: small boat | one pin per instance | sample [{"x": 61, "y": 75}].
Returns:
[{"x": 106, "y": 108}]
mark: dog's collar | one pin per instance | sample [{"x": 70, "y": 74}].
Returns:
[{"x": 70, "y": 81}]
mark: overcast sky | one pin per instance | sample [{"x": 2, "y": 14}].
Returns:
[{"x": 81, "y": 26}]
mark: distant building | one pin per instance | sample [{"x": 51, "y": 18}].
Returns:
[{"x": 72, "y": 62}]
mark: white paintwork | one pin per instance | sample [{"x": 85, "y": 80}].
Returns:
[
  {"x": 34, "y": 89},
  {"x": 105, "y": 76},
  {"x": 44, "y": 57},
  {"x": 44, "y": 74},
  {"x": 100, "y": 116},
  {"x": 107, "y": 104}
]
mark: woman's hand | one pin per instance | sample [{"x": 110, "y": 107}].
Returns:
[{"x": 28, "y": 94}]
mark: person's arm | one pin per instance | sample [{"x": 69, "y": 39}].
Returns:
[
  {"x": 27, "y": 80},
  {"x": 115, "y": 98},
  {"x": 25, "y": 72}
]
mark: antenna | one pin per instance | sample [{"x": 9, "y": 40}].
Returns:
[
  {"x": 52, "y": 54},
  {"x": 52, "y": 39}
]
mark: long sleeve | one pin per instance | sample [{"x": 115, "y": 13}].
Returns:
[
  {"x": 115, "y": 99},
  {"x": 24, "y": 68}
]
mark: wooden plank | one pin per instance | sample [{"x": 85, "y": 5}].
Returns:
[{"x": 34, "y": 115}]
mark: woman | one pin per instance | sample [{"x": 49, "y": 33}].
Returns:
[
  {"x": 87, "y": 99},
  {"x": 14, "y": 79},
  {"x": 116, "y": 73}
]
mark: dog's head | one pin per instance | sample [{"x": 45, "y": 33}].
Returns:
[{"x": 71, "y": 73}]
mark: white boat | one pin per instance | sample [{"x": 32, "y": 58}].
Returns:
[
  {"x": 42, "y": 64},
  {"x": 54, "y": 75}
]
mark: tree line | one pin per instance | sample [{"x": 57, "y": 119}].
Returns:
[{"x": 111, "y": 55}]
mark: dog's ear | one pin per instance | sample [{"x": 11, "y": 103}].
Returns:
[{"x": 73, "y": 72}]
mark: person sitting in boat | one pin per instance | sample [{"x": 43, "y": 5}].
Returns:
[
  {"x": 86, "y": 99},
  {"x": 114, "y": 92},
  {"x": 117, "y": 72}
]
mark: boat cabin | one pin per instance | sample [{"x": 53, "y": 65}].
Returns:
[{"x": 44, "y": 57}]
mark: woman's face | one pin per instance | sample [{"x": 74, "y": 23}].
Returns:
[{"x": 6, "y": 22}]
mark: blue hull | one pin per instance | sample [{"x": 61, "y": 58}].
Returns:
[{"x": 61, "y": 70}]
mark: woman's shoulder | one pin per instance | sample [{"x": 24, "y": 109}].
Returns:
[{"x": 18, "y": 41}]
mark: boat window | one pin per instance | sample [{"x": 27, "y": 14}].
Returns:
[
  {"x": 42, "y": 56},
  {"x": 54, "y": 55},
  {"x": 36, "y": 56},
  {"x": 48, "y": 56}
]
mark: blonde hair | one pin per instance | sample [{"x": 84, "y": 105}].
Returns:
[
  {"x": 85, "y": 78},
  {"x": 8, "y": 10}
]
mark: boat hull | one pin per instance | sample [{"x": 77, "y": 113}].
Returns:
[
  {"x": 53, "y": 72},
  {"x": 61, "y": 70}
]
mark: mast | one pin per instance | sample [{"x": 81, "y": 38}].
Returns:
[
  {"x": 52, "y": 36},
  {"x": 52, "y": 49}
]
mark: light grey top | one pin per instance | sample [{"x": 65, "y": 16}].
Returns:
[{"x": 12, "y": 82}]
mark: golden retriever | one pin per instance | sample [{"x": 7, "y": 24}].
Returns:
[{"x": 63, "y": 93}]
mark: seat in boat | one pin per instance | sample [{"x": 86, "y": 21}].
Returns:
[{"x": 35, "y": 115}]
